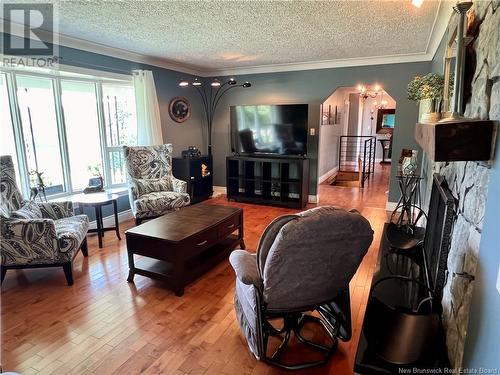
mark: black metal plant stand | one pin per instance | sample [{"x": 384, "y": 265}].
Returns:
[{"x": 408, "y": 211}]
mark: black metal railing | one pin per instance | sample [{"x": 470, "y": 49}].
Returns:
[{"x": 357, "y": 154}]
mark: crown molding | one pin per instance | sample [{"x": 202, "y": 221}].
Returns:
[
  {"x": 437, "y": 31},
  {"x": 323, "y": 64},
  {"x": 101, "y": 49},
  {"x": 440, "y": 25}
]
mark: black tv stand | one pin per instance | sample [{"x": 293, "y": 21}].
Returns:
[{"x": 271, "y": 180}]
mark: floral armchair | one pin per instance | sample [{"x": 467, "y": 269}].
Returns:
[
  {"x": 153, "y": 190},
  {"x": 35, "y": 234}
]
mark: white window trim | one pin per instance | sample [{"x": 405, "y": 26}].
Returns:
[{"x": 70, "y": 73}]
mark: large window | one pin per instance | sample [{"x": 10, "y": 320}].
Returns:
[
  {"x": 120, "y": 124},
  {"x": 7, "y": 143},
  {"x": 79, "y": 103},
  {"x": 39, "y": 127},
  {"x": 67, "y": 127}
]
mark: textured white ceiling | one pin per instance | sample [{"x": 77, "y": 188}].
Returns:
[{"x": 231, "y": 34}]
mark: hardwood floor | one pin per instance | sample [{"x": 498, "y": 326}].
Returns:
[{"x": 104, "y": 325}]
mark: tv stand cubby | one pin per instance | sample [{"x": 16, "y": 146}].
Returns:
[{"x": 278, "y": 181}]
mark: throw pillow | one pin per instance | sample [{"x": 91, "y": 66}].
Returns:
[
  {"x": 30, "y": 210},
  {"x": 152, "y": 185}
]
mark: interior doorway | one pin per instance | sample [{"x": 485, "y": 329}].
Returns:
[{"x": 355, "y": 134}]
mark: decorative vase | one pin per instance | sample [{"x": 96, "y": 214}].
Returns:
[
  {"x": 409, "y": 164},
  {"x": 427, "y": 110}
]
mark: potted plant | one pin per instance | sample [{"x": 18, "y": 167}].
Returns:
[{"x": 428, "y": 92}]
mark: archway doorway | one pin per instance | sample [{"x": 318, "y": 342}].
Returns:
[{"x": 355, "y": 137}]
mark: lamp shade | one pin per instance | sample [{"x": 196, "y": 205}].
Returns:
[
  {"x": 215, "y": 83},
  {"x": 247, "y": 84},
  {"x": 196, "y": 82},
  {"x": 183, "y": 83}
]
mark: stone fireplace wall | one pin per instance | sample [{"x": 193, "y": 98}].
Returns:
[{"x": 468, "y": 181}]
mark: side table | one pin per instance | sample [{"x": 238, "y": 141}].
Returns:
[{"x": 97, "y": 201}]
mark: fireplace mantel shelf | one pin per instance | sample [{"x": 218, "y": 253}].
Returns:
[{"x": 461, "y": 140}]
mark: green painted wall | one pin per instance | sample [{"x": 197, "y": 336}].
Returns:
[
  {"x": 313, "y": 87},
  {"x": 482, "y": 346}
]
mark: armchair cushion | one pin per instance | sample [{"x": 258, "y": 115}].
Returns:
[
  {"x": 151, "y": 185},
  {"x": 28, "y": 241},
  {"x": 30, "y": 210},
  {"x": 158, "y": 203},
  {"x": 179, "y": 186},
  {"x": 56, "y": 210},
  {"x": 71, "y": 232}
]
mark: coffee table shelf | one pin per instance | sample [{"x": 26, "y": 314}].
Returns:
[{"x": 194, "y": 268}]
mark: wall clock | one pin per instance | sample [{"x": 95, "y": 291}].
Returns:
[{"x": 179, "y": 109}]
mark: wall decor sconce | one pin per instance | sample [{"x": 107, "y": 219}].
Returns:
[{"x": 211, "y": 93}]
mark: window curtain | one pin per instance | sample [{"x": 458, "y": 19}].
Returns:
[{"x": 148, "y": 111}]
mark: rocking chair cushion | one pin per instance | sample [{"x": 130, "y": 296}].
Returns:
[
  {"x": 30, "y": 210},
  {"x": 245, "y": 267}
]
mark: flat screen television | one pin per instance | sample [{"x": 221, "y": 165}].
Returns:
[{"x": 269, "y": 129}]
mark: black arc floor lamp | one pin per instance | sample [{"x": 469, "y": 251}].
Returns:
[{"x": 211, "y": 97}]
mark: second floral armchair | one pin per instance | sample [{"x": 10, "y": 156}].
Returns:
[{"x": 153, "y": 190}]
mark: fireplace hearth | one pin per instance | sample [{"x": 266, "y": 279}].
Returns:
[{"x": 402, "y": 326}]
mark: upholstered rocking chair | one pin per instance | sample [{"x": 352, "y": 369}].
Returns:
[
  {"x": 304, "y": 263},
  {"x": 153, "y": 190},
  {"x": 36, "y": 234}
]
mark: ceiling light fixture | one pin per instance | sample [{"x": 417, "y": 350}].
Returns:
[
  {"x": 210, "y": 97},
  {"x": 417, "y": 3},
  {"x": 364, "y": 93}
]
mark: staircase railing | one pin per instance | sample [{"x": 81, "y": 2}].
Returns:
[{"x": 357, "y": 154}]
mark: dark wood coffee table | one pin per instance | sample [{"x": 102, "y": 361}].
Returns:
[{"x": 180, "y": 246}]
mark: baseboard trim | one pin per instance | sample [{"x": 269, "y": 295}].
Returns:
[
  {"x": 390, "y": 206},
  {"x": 325, "y": 176},
  {"x": 219, "y": 190},
  {"x": 313, "y": 199},
  {"x": 109, "y": 221}
]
